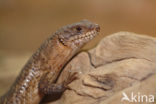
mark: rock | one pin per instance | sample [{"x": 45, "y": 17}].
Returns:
[{"x": 122, "y": 62}]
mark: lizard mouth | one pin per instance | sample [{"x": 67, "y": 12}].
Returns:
[
  {"x": 79, "y": 39},
  {"x": 84, "y": 37}
]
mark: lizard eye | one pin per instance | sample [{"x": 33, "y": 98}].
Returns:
[{"x": 78, "y": 29}]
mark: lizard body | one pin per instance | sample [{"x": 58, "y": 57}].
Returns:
[{"x": 40, "y": 73}]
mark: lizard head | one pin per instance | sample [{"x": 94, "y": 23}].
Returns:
[{"x": 76, "y": 35}]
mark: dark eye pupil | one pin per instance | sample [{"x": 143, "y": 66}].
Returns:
[{"x": 78, "y": 28}]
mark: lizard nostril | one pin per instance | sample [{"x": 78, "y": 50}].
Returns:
[{"x": 97, "y": 27}]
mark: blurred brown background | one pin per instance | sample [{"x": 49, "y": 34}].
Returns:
[{"x": 25, "y": 24}]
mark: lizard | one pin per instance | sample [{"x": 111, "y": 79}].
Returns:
[{"x": 38, "y": 77}]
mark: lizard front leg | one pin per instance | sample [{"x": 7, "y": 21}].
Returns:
[{"x": 47, "y": 86}]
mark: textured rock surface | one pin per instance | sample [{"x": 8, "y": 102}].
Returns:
[{"x": 122, "y": 62}]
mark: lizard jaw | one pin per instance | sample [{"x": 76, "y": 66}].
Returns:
[{"x": 79, "y": 40}]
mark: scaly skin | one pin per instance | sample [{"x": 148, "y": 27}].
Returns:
[{"x": 39, "y": 75}]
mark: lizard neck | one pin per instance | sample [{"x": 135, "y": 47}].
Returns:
[{"x": 54, "y": 53}]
